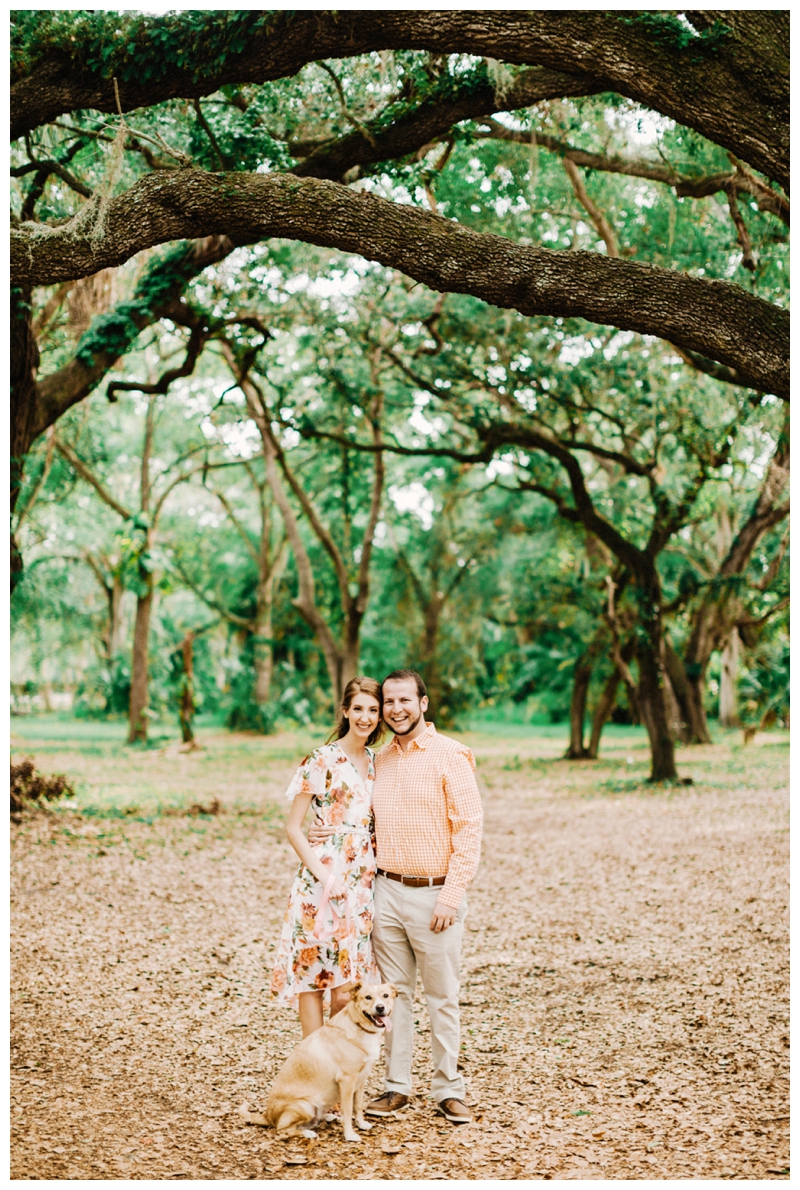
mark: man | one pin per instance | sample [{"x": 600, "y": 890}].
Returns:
[{"x": 428, "y": 820}]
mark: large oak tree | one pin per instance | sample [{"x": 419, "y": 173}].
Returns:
[
  {"x": 722, "y": 74},
  {"x": 243, "y": 166}
]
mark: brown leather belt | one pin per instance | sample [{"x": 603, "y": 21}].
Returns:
[{"x": 414, "y": 881}]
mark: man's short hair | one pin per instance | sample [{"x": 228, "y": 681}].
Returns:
[{"x": 405, "y": 675}]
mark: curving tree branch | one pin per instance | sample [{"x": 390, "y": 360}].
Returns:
[
  {"x": 725, "y": 74},
  {"x": 713, "y": 318}
]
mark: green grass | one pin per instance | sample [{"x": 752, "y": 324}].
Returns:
[{"x": 248, "y": 773}]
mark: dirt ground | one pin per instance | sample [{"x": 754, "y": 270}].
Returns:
[{"x": 625, "y": 969}]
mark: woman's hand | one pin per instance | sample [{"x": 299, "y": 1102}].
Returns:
[{"x": 338, "y": 888}]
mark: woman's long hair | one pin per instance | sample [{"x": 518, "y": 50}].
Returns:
[{"x": 359, "y": 686}]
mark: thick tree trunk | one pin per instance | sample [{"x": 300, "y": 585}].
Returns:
[
  {"x": 651, "y": 697},
  {"x": 262, "y": 644},
  {"x": 114, "y": 592},
  {"x": 429, "y": 641},
  {"x": 687, "y": 689},
  {"x": 716, "y": 615},
  {"x": 698, "y": 732},
  {"x": 186, "y": 705},
  {"x": 728, "y": 710},
  {"x": 349, "y": 666},
  {"x": 24, "y": 355},
  {"x": 577, "y": 709},
  {"x": 262, "y": 663},
  {"x": 607, "y": 700},
  {"x": 137, "y": 732},
  {"x": 271, "y": 568},
  {"x": 602, "y": 713}
]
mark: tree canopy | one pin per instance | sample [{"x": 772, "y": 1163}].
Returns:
[{"x": 530, "y": 266}]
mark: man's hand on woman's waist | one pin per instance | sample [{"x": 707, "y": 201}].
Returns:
[{"x": 317, "y": 833}]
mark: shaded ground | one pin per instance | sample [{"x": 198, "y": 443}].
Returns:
[{"x": 625, "y": 983}]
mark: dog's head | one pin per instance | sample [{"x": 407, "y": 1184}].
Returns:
[{"x": 374, "y": 1001}]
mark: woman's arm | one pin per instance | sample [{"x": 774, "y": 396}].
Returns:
[{"x": 312, "y": 861}]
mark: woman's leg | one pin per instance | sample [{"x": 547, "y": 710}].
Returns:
[
  {"x": 340, "y": 997},
  {"x": 310, "y": 1009}
]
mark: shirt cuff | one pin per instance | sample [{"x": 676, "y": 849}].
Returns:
[{"x": 451, "y": 895}]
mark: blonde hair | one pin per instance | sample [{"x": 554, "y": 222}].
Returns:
[{"x": 359, "y": 686}]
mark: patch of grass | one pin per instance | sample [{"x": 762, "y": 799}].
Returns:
[{"x": 625, "y": 785}]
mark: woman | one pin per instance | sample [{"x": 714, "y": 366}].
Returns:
[{"x": 325, "y": 943}]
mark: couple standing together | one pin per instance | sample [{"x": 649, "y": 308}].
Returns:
[{"x": 380, "y": 893}]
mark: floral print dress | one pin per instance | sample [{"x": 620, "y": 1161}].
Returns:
[{"x": 341, "y": 951}]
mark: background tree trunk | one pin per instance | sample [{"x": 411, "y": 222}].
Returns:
[
  {"x": 24, "y": 354},
  {"x": 602, "y": 713},
  {"x": 186, "y": 705},
  {"x": 137, "y": 732},
  {"x": 577, "y": 709},
  {"x": 651, "y": 697},
  {"x": 115, "y": 590},
  {"x": 728, "y": 710},
  {"x": 688, "y": 713}
]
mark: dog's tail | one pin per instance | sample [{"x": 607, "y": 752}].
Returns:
[{"x": 253, "y": 1117}]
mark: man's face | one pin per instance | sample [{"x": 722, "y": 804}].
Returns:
[{"x": 402, "y": 706}]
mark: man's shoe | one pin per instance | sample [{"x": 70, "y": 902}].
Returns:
[
  {"x": 387, "y": 1105},
  {"x": 455, "y": 1111}
]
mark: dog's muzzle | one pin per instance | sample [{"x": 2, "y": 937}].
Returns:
[{"x": 380, "y": 1019}]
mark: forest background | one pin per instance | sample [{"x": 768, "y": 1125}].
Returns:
[{"x": 349, "y": 341}]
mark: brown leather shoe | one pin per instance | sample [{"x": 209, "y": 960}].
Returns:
[
  {"x": 455, "y": 1111},
  {"x": 387, "y": 1105}
]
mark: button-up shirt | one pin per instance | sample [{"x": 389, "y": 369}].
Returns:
[{"x": 428, "y": 813}]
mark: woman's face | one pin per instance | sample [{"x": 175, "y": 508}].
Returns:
[{"x": 363, "y": 715}]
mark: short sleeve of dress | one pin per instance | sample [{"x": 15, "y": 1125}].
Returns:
[{"x": 310, "y": 777}]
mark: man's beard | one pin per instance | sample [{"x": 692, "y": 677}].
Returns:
[{"x": 406, "y": 730}]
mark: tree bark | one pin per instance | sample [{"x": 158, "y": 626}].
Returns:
[
  {"x": 651, "y": 698},
  {"x": 687, "y": 688},
  {"x": 732, "y": 88},
  {"x": 137, "y": 730},
  {"x": 186, "y": 703},
  {"x": 115, "y": 590},
  {"x": 728, "y": 710},
  {"x": 604, "y": 709},
  {"x": 271, "y": 570},
  {"x": 714, "y": 318},
  {"x": 720, "y": 609},
  {"x": 577, "y": 708},
  {"x": 24, "y": 355},
  {"x": 305, "y": 600}
]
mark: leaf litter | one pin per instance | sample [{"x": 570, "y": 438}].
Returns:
[{"x": 625, "y": 978}]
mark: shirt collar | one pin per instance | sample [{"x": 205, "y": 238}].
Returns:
[{"x": 422, "y": 740}]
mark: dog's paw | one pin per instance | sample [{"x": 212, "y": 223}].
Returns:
[
  {"x": 364, "y": 1125},
  {"x": 308, "y": 1134},
  {"x": 354, "y": 1137},
  {"x": 251, "y": 1117}
]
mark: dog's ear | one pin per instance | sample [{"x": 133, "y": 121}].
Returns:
[
  {"x": 355, "y": 989},
  {"x": 394, "y": 990}
]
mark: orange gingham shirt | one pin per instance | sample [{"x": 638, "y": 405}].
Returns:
[{"x": 428, "y": 813}]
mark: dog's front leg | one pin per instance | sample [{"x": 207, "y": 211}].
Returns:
[
  {"x": 347, "y": 1088},
  {"x": 358, "y": 1107}
]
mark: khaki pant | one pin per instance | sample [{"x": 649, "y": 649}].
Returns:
[{"x": 404, "y": 942}]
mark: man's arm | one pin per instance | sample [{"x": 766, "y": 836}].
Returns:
[{"x": 465, "y": 812}]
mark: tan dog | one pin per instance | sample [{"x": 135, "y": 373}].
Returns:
[{"x": 330, "y": 1066}]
